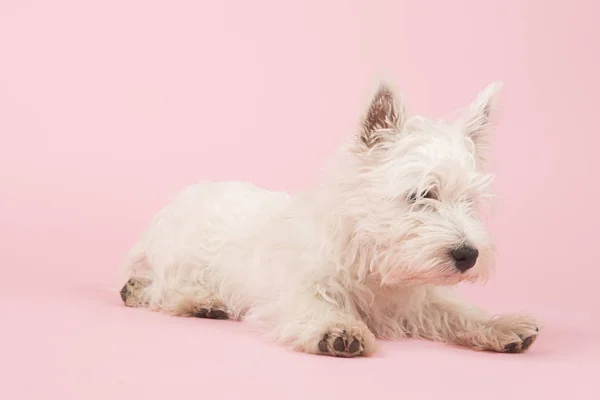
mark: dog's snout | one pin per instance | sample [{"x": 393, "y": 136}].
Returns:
[{"x": 465, "y": 257}]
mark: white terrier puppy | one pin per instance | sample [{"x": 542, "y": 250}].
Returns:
[{"x": 370, "y": 253}]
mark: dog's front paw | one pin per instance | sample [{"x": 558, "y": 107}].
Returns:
[
  {"x": 520, "y": 346},
  {"x": 346, "y": 340},
  {"x": 512, "y": 333},
  {"x": 341, "y": 345}
]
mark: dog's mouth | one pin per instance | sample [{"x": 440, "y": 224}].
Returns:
[
  {"x": 447, "y": 277},
  {"x": 439, "y": 270},
  {"x": 445, "y": 280},
  {"x": 459, "y": 278}
]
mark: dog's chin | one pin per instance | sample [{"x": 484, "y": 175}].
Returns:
[
  {"x": 455, "y": 279},
  {"x": 441, "y": 276},
  {"x": 448, "y": 275}
]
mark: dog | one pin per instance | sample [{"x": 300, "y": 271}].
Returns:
[{"x": 371, "y": 253}]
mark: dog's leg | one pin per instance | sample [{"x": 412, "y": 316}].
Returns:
[
  {"x": 444, "y": 318},
  {"x": 314, "y": 325},
  {"x": 191, "y": 301}
]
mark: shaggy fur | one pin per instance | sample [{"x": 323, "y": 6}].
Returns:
[{"x": 369, "y": 253}]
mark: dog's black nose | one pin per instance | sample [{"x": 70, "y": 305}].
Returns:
[{"x": 465, "y": 257}]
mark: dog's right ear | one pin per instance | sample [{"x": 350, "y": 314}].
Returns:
[{"x": 383, "y": 119}]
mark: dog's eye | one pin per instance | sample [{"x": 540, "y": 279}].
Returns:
[
  {"x": 413, "y": 197},
  {"x": 428, "y": 195}
]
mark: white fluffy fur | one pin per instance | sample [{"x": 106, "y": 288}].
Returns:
[{"x": 363, "y": 255}]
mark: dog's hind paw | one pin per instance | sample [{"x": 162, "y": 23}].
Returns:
[
  {"x": 131, "y": 293},
  {"x": 212, "y": 313}
]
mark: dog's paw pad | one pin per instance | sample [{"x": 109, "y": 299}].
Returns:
[
  {"x": 513, "y": 347},
  {"x": 212, "y": 313},
  {"x": 528, "y": 341},
  {"x": 341, "y": 345},
  {"x": 520, "y": 347},
  {"x": 124, "y": 292}
]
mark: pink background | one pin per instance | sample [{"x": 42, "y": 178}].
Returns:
[{"x": 107, "y": 107}]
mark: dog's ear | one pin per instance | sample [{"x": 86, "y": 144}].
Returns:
[
  {"x": 480, "y": 117},
  {"x": 383, "y": 119}
]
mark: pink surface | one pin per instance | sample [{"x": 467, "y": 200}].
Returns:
[{"x": 106, "y": 107}]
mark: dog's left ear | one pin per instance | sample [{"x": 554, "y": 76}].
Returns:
[{"x": 479, "y": 118}]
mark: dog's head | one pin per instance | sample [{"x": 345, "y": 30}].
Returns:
[{"x": 414, "y": 191}]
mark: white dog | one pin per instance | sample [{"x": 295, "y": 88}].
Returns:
[{"x": 370, "y": 253}]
